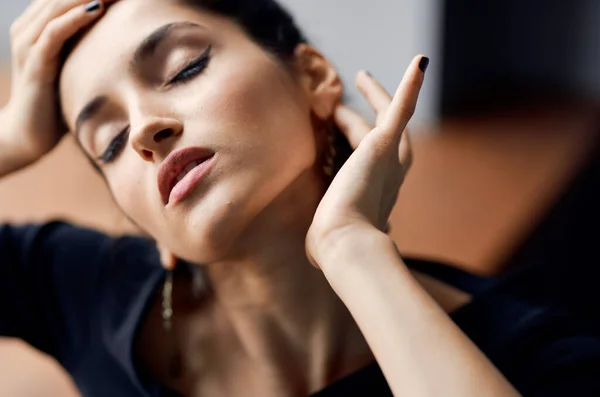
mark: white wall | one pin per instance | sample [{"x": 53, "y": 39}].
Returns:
[
  {"x": 381, "y": 36},
  {"x": 378, "y": 35}
]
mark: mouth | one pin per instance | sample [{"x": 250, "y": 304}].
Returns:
[{"x": 182, "y": 171}]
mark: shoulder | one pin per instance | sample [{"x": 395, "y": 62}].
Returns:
[
  {"x": 56, "y": 276},
  {"x": 66, "y": 257},
  {"x": 60, "y": 244},
  {"x": 44, "y": 242}
]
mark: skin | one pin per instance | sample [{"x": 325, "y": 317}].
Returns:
[
  {"x": 265, "y": 158},
  {"x": 272, "y": 322},
  {"x": 262, "y": 192},
  {"x": 26, "y": 372}
]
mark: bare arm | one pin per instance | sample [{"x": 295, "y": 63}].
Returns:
[
  {"x": 421, "y": 351},
  {"x": 30, "y": 128},
  {"x": 30, "y": 124},
  {"x": 12, "y": 157},
  {"x": 419, "y": 348}
]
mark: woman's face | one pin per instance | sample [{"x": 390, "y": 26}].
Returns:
[{"x": 156, "y": 88}]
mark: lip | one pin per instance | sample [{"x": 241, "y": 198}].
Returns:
[{"x": 171, "y": 191}]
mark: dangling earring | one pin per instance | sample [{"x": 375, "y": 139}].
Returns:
[
  {"x": 167, "y": 302},
  {"x": 175, "y": 368},
  {"x": 330, "y": 151}
]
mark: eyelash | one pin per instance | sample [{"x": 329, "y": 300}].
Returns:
[
  {"x": 190, "y": 71},
  {"x": 114, "y": 147},
  {"x": 193, "y": 68}
]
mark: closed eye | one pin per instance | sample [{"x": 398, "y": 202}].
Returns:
[
  {"x": 114, "y": 147},
  {"x": 192, "y": 69}
]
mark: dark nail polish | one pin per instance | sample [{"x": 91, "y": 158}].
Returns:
[
  {"x": 92, "y": 6},
  {"x": 423, "y": 64}
]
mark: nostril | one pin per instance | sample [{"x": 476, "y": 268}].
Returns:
[{"x": 164, "y": 134}]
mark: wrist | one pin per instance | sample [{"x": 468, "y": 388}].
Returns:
[
  {"x": 13, "y": 146},
  {"x": 342, "y": 248}
]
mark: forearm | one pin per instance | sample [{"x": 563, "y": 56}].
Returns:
[
  {"x": 420, "y": 350},
  {"x": 11, "y": 159}
]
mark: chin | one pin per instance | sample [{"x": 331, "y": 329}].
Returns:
[
  {"x": 203, "y": 252},
  {"x": 211, "y": 234},
  {"x": 223, "y": 224},
  {"x": 205, "y": 242}
]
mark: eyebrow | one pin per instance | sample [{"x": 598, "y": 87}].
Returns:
[
  {"x": 145, "y": 50},
  {"x": 148, "y": 47},
  {"x": 88, "y": 111}
]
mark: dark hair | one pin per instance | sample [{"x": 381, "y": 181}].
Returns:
[{"x": 265, "y": 21}]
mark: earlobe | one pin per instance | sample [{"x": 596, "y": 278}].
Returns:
[
  {"x": 326, "y": 101},
  {"x": 167, "y": 258}
]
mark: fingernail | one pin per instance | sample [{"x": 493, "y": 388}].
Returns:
[
  {"x": 368, "y": 73},
  {"x": 92, "y": 6},
  {"x": 423, "y": 64}
]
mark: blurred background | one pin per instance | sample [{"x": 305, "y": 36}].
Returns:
[{"x": 505, "y": 138}]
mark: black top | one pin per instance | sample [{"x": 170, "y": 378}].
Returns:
[{"x": 80, "y": 296}]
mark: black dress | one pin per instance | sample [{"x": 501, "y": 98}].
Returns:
[{"x": 80, "y": 296}]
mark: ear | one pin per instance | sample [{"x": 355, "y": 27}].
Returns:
[
  {"x": 319, "y": 79},
  {"x": 168, "y": 260}
]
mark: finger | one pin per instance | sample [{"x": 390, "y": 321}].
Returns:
[
  {"x": 47, "y": 49},
  {"x": 18, "y": 29},
  {"x": 352, "y": 125},
  {"x": 376, "y": 95},
  {"x": 54, "y": 9},
  {"x": 27, "y": 16},
  {"x": 404, "y": 103},
  {"x": 405, "y": 152}
]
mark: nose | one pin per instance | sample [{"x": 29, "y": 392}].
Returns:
[{"x": 153, "y": 137}]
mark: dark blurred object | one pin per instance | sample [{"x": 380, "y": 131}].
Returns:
[
  {"x": 539, "y": 59},
  {"x": 500, "y": 53},
  {"x": 560, "y": 262}
]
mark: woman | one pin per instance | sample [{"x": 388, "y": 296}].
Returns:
[{"x": 214, "y": 125}]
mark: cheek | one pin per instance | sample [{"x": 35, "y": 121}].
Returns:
[
  {"x": 263, "y": 116},
  {"x": 130, "y": 193}
]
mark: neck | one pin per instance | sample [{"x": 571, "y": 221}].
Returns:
[{"x": 287, "y": 318}]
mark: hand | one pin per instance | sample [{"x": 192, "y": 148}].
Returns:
[
  {"x": 31, "y": 120},
  {"x": 363, "y": 193}
]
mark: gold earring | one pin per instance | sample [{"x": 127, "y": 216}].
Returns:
[
  {"x": 167, "y": 302},
  {"x": 175, "y": 365},
  {"x": 330, "y": 151}
]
